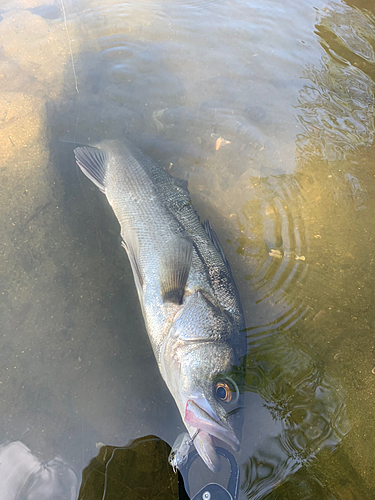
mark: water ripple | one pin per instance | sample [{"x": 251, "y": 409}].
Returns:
[
  {"x": 308, "y": 405},
  {"x": 337, "y": 105},
  {"x": 274, "y": 240},
  {"x": 353, "y": 28}
]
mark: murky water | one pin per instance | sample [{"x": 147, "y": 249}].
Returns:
[{"x": 268, "y": 109}]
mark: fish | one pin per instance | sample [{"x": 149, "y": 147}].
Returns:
[{"x": 189, "y": 300}]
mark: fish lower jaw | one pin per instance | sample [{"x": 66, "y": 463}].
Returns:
[
  {"x": 196, "y": 417},
  {"x": 205, "y": 444},
  {"x": 206, "y": 448}
]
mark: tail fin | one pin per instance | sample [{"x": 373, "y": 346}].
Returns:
[{"x": 93, "y": 163}]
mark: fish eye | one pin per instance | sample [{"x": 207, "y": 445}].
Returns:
[{"x": 224, "y": 392}]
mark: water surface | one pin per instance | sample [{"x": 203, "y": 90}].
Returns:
[{"x": 268, "y": 110}]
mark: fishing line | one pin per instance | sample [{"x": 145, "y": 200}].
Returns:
[
  {"x": 109, "y": 461},
  {"x": 78, "y": 118},
  {"x": 72, "y": 61},
  {"x": 69, "y": 45},
  {"x": 78, "y": 111},
  {"x": 106, "y": 471},
  {"x": 74, "y": 139}
]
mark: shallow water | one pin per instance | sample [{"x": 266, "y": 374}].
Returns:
[{"x": 268, "y": 110}]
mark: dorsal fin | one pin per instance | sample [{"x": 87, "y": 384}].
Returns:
[
  {"x": 215, "y": 241},
  {"x": 181, "y": 183}
]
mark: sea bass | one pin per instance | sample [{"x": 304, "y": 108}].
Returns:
[{"x": 188, "y": 297}]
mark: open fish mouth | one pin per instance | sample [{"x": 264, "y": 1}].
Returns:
[{"x": 205, "y": 420}]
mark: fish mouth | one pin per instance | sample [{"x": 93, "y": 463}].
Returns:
[{"x": 205, "y": 420}]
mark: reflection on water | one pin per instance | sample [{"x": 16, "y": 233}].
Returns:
[
  {"x": 23, "y": 476},
  {"x": 269, "y": 110},
  {"x": 140, "y": 470}
]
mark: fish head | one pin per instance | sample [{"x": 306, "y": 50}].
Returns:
[{"x": 206, "y": 388}]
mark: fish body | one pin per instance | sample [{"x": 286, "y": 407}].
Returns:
[{"x": 188, "y": 297}]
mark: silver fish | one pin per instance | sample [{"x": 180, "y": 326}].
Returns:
[{"x": 188, "y": 297}]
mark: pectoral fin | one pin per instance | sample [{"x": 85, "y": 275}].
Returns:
[{"x": 175, "y": 268}]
